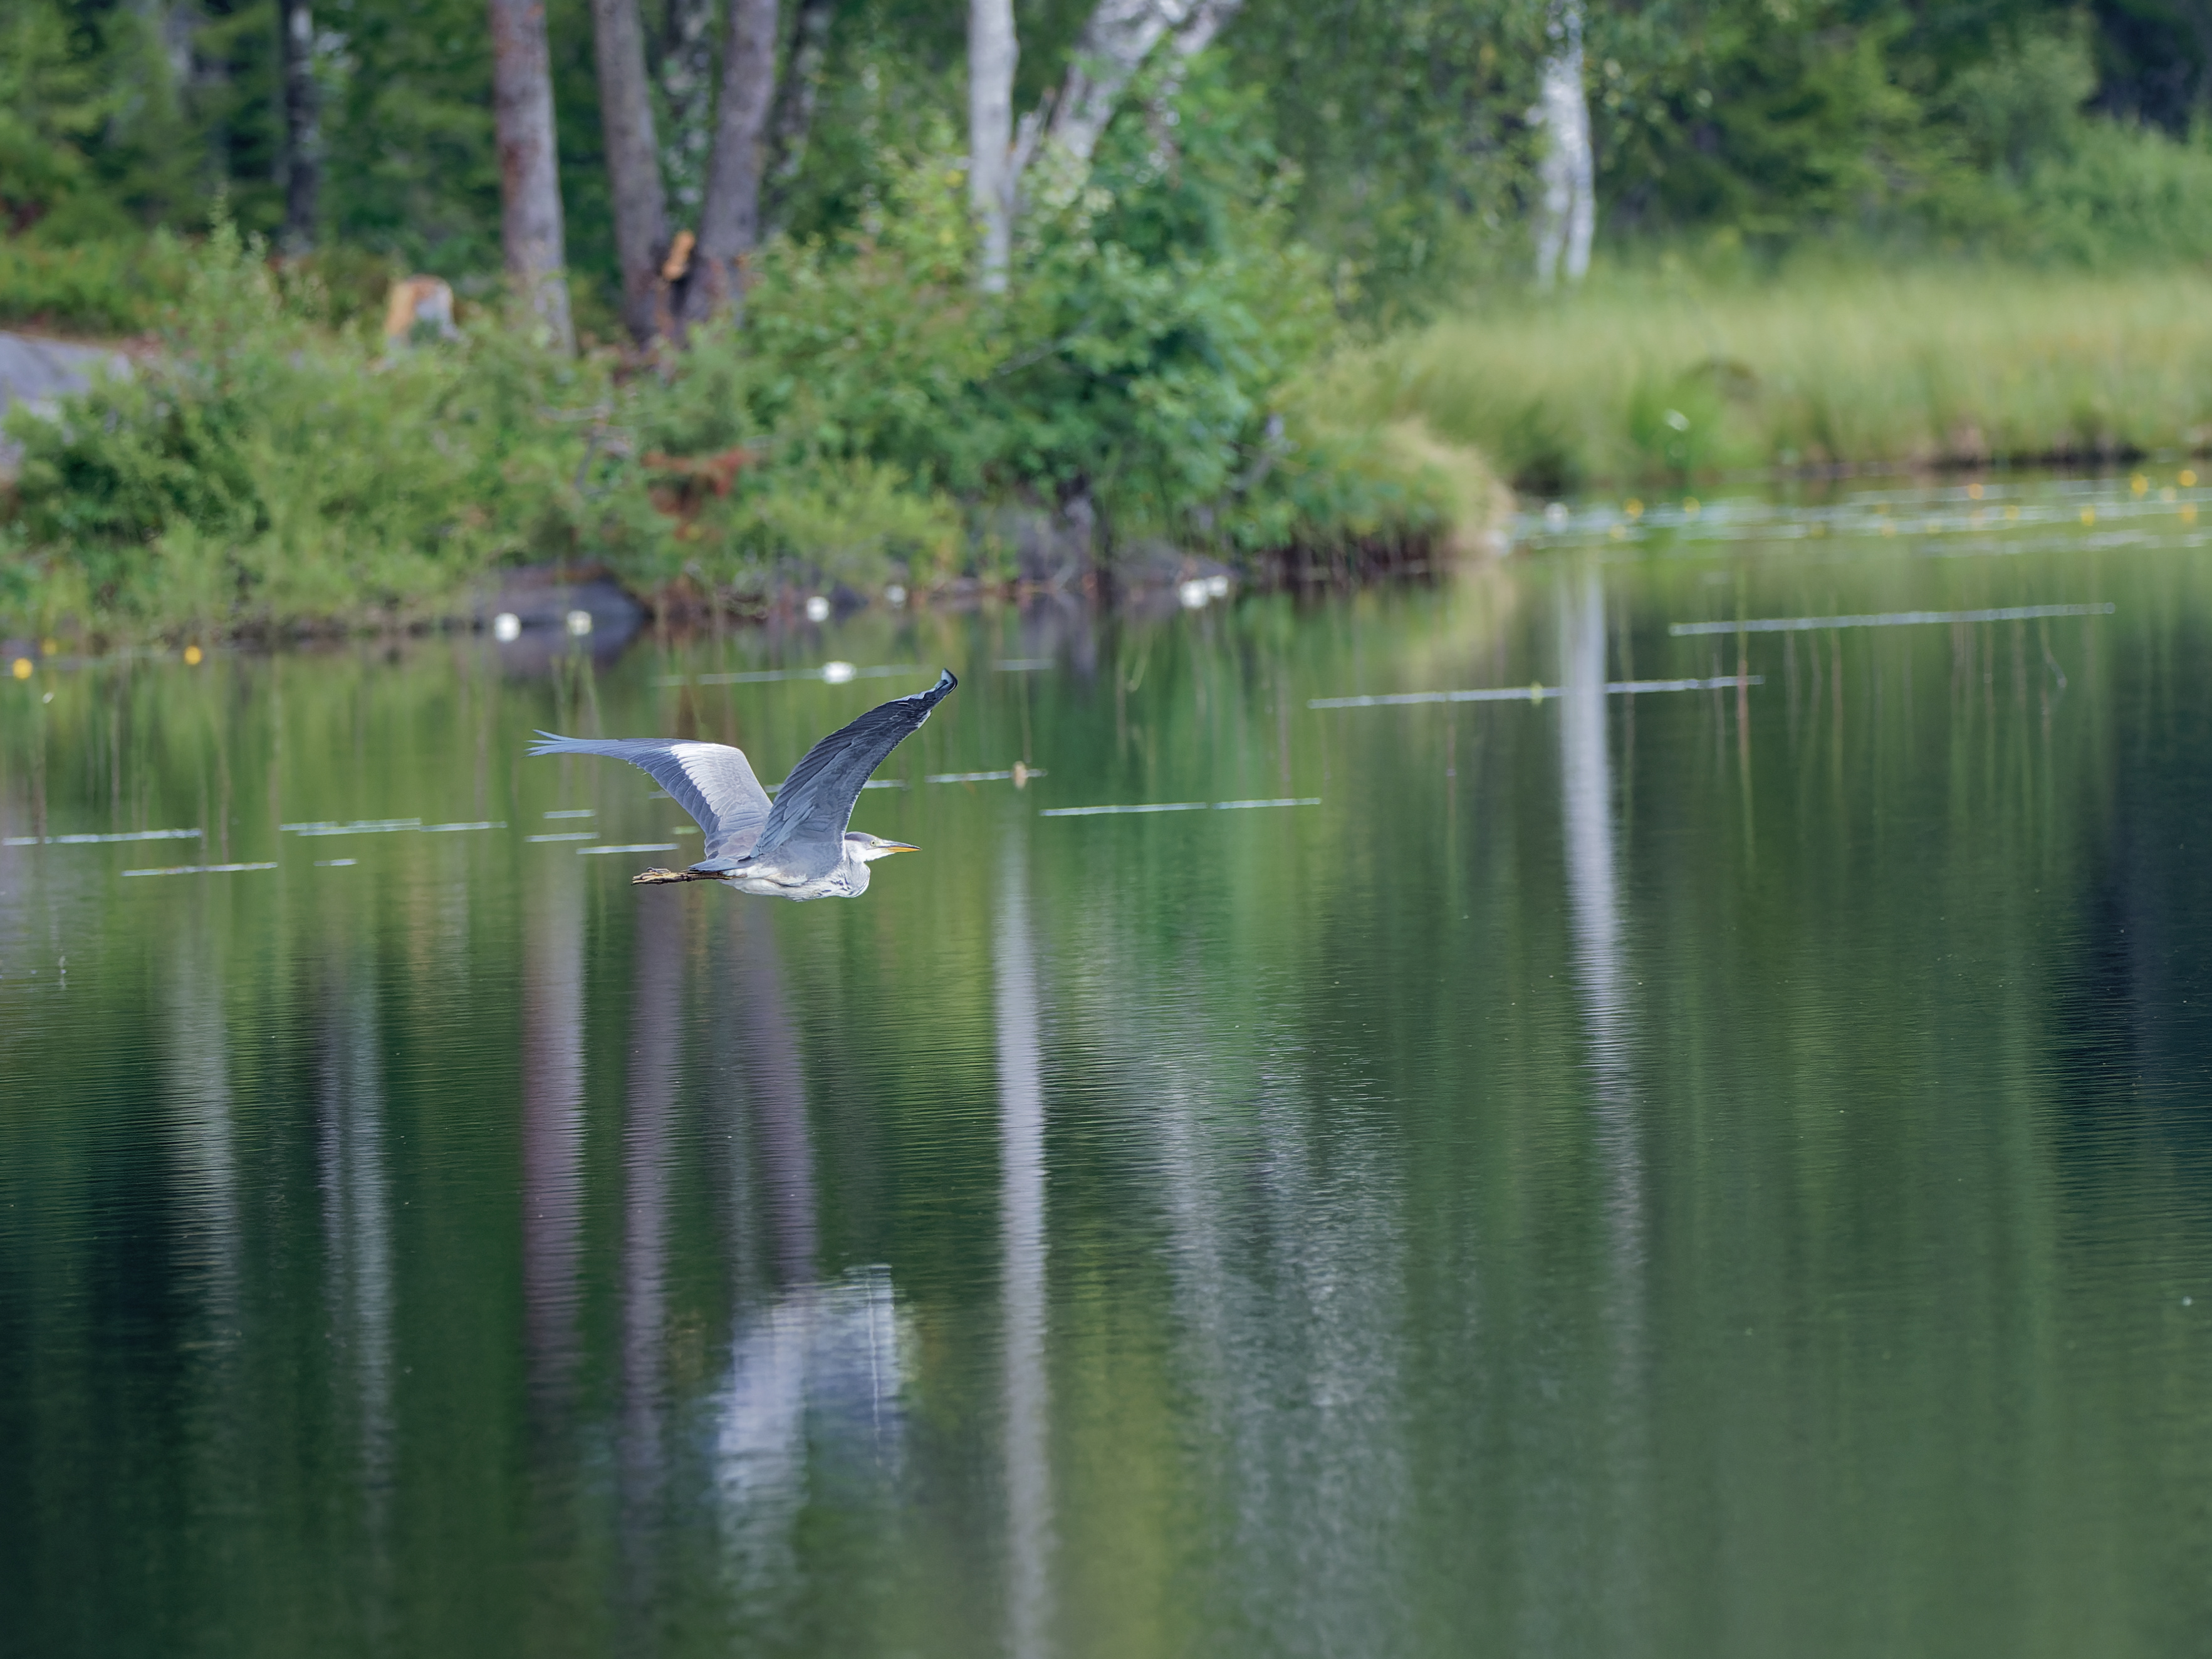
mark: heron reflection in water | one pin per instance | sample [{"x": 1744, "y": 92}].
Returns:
[{"x": 799, "y": 848}]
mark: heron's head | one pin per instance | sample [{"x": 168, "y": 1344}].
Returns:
[{"x": 868, "y": 849}]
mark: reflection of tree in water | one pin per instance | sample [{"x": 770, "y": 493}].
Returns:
[
  {"x": 1596, "y": 917},
  {"x": 1342, "y": 1349},
  {"x": 649, "y": 1112},
  {"x": 1021, "y": 1229},
  {"x": 552, "y": 1132},
  {"x": 810, "y": 1400},
  {"x": 810, "y": 1403},
  {"x": 354, "y": 1189},
  {"x": 553, "y": 1159},
  {"x": 1594, "y": 900},
  {"x": 200, "y": 1135},
  {"x": 2133, "y": 1007},
  {"x": 1285, "y": 1206},
  {"x": 207, "y": 1251}
]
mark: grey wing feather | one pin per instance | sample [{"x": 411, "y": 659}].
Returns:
[
  {"x": 712, "y": 781},
  {"x": 815, "y": 803}
]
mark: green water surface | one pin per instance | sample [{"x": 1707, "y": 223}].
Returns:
[{"x": 1691, "y": 1173}]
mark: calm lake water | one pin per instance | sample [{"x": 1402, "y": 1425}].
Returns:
[{"x": 1715, "y": 1171}]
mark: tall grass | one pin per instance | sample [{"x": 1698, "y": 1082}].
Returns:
[{"x": 1660, "y": 375}]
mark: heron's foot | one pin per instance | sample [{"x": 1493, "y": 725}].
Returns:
[{"x": 644, "y": 875}]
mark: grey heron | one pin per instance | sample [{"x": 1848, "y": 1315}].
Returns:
[{"x": 797, "y": 848}]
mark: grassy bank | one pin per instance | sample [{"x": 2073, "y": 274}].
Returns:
[
  {"x": 269, "y": 468},
  {"x": 1643, "y": 377}
]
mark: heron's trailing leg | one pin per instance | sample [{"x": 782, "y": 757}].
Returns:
[{"x": 644, "y": 875}]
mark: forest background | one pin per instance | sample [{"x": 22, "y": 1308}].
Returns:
[{"x": 1282, "y": 293}]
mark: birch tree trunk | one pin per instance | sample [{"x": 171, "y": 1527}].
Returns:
[
  {"x": 729, "y": 220},
  {"x": 993, "y": 51},
  {"x": 529, "y": 177},
  {"x": 1120, "y": 36},
  {"x": 793, "y": 119},
  {"x": 632, "y": 162},
  {"x": 302, "y": 159},
  {"x": 1568, "y": 215}
]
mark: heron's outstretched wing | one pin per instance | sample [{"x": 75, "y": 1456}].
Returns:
[
  {"x": 714, "y": 782},
  {"x": 815, "y": 803}
]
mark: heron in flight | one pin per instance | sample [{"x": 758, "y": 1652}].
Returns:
[{"x": 799, "y": 848}]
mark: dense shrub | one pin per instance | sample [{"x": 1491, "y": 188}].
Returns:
[
  {"x": 871, "y": 409},
  {"x": 260, "y": 468},
  {"x": 2046, "y": 181},
  {"x": 117, "y": 286},
  {"x": 1144, "y": 361}
]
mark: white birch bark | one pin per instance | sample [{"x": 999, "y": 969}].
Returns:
[
  {"x": 1026, "y": 1383},
  {"x": 1116, "y": 41},
  {"x": 1120, "y": 36},
  {"x": 1568, "y": 215},
  {"x": 992, "y": 53}
]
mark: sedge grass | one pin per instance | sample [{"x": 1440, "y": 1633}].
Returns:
[{"x": 1649, "y": 376}]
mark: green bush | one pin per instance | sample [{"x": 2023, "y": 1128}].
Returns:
[
  {"x": 1126, "y": 362},
  {"x": 2046, "y": 182},
  {"x": 263, "y": 470},
  {"x": 117, "y": 286},
  {"x": 1147, "y": 357},
  {"x": 1151, "y": 357}
]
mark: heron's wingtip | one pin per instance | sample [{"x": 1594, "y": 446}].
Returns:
[
  {"x": 936, "y": 694},
  {"x": 549, "y": 742}
]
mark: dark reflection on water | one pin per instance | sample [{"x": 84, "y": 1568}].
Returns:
[{"x": 1723, "y": 1171}]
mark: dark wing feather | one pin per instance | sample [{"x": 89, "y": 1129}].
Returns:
[
  {"x": 815, "y": 803},
  {"x": 712, "y": 781}
]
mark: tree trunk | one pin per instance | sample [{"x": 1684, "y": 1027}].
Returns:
[
  {"x": 529, "y": 176},
  {"x": 632, "y": 162},
  {"x": 686, "y": 83},
  {"x": 729, "y": 221},
  {"x": 301, "y": 163},
  {"x": 993, "y": 51},
  {"x": 793, "y": 120},
  {"x": 1568, "y": 215},
  {"x": 1115, "y": 43}
]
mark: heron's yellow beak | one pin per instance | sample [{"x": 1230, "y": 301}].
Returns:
[{"x": 885, "y": 846}]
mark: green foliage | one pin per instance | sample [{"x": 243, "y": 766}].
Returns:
[
  {"x": 1406, "y": 126},
  {"x": 2022, "y": 105},
  {"x": 260, "y": 470},
  {"x": 117, "y": 287},
  {"x": 2052, "y": 183},
  {"x": 1658, "y": 376},
  {"x": 1401, "y": 150},
  {"x": 1144, "y": 359},
  {"x": 117, "y": 119},
  {"x": 266, "y": 467}
]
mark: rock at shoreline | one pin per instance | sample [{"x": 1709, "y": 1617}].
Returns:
[{"x": 38, "y": 374}]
